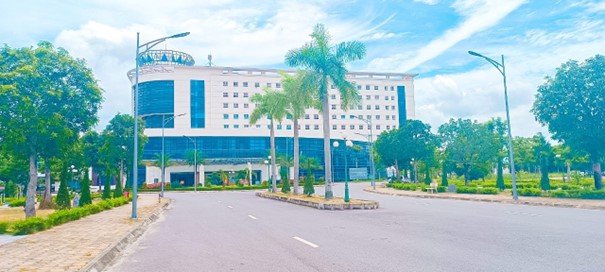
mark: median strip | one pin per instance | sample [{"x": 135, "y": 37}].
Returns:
[{"x": 305, "y": 242}]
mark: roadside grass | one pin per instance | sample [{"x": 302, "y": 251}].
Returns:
[{"x": 16, "y": 214}]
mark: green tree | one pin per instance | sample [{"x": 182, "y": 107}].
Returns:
[
  {"x": 326, "y": 64},
  {"x": 571, "y": 105},
  {"x": 193, "y": 158},
  {"x": 63, "y": 200},
  {"x": 85, "y": 198},
  {"x": 118, "y": 192},
  {"x": 285, "y": 162},
  {"x": 106, "y": 187},
  {"x": 498, "y": 128},
  {"x": 224, "y": 176},
  {"x": 45, "y": 94},
  {"x": 544, "y": 156},
  {"x": 300, "y": 97},
  {"x": 469, "y": 146},
  {"x": 524, "y": 153},
  {"x": 271, "y": 104}
]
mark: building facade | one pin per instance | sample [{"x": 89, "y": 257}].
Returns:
[{"x": 211, "y": 107}]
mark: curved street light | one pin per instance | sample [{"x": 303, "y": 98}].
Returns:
[
  {"x": 502, "y": 69},
  {"x": 135, "y": 161}
]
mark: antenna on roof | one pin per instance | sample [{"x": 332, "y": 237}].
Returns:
[{"x": 210, "y": 59}]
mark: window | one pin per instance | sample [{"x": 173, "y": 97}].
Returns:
[
  {"x": 332, "y": 86},
  {"x": 307, "y": 127},
  {"x": 235, "y": 126},
  {"x": 235, "y": 94},
  {"x": 257, "y": 126},
  {"x": 394, "y": 126},
  {"x": 246, "y": 126},
  {"x": 235, "y": 105},
  {"x": 359, "y": 107},
  {"x": 368, "y": 97},
  {"x": 246, "y": 116},
  {"x": 377, "y": 117},
  {"x": 278, "y": 85},
  {"x": 392, "y": 97},
  {"x": 279, "y": 127},
  {"x": 246, "y": 95},
  {"x": 245, "y": 84},
  {"x": 377, "y": 97},
  {"x": 386, "y": 97},
  {"x": 333, "y": 96},
  {"x": 316, "y": 116},
  {"x": 369, "y": 117},
  {"x": 225, "y": 83},
  {"x": 225, "y": 126},
  {"x": 289, "y": 116},
  {"x": 316, "y": 127},
  {"x": 360, "y": 116},
  {"x": 306, "y": 116},
  {"x": 342, "y": 116},
  {"x": 225, "y": 105},
  {"x": 375, "y": 88},
  {"x": 369, "y": 127},
  {"x": 358, "y": 87},
  {"x": 352, "y": 127},
  {"x": 377, "y": 107},
  {"x": 388, "y": 127},
  {"x": 386, "y": 88},
  {"x": 388, "y": 117},
  {"x": 377, "y": 126},
  {"x": 256, "y": 84},
  {"x": 245, "y": 105},
  {"x": 392, "y": 88},
  {"x": 288, "y": 127},
  {"x": 333, "y": 106},
  {"x": 360, "y": 126},
  {"x": 334, "y": 127},
  {"x": 368, "y": 87},
  {"x": 368, "y": 107},
  {"x": 225, "y": 94},
  {"x": 334, "y": 116},
  {"x": 225, "y": 116},
  {"x": 235, "y": 84},
  {"x": 393, "y": 117},
  {"x": 269, "y": 84},
  {"x": 343, "y": 127},
  {"x": 236, "y": 116},
  {"x": 198, "y": 103}
]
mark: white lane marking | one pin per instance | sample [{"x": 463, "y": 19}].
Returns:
[
  {"x": 229, "y": 207},
  {"x": 252, "y": 216},
  {"x": 305, "y": 242}
]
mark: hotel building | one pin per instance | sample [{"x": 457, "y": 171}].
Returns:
[{"x": 211, "y": 106}]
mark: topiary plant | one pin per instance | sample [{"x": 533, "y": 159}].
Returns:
[
  {"x": 63, "y": 201},
  {"x": 118, "y": 192},
  {"x": 85, "y": 197},
  {"x": 308, "y": 189}
]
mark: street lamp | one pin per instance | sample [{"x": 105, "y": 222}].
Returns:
[
  {"x": 348, "y": 144},
  {"x": 335, "y": 145},
  {"x": 502, "y": 69},
  {"x": 141, "y": 48},
  {"x": 268, "y": 172},
  {"x": 164, "y": 122},
  {"x": 194, "y": 162},
  {"x": 370, "y": 150}
]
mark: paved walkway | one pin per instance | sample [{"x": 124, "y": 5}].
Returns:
[
  {"x": 501, "y": 198},
  {"x": 69, "y": 247}
]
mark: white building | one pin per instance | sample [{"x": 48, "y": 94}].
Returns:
[{"x": 211, "y": 105}]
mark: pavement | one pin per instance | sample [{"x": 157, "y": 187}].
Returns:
[
  {"x": 73, "y": 245},
  {"x": 237, "y": 231}
]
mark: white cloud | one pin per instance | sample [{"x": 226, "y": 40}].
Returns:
[{"x": 428, "y": 2}]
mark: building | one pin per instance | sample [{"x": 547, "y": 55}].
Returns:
[{"x": 211, "y": 106}]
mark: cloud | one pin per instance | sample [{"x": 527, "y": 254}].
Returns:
[{"x": 428, "y": 2}]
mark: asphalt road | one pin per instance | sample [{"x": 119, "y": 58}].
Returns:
[{"x": 237, "y": 231}]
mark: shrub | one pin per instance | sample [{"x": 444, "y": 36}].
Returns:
[
  {"x": 106, "y": 189},
  {"x": 592, "y": 194},
  {"x": 14, "y": 202},
  {"x": 441, "y": 189},
  {"x": 118, "y": 192},
  {"x": 405, "y": 186},
  {"x": 530, "y": 192},
  {"x": 466, "y": 190},
  {"x": 488, "y": 191},
  {"x": 308, "y": 189},
  {"x": 3, "y": 227},
  {"x": 570, "y": 187},
  {"x": 86, "y": 197},
  {"x": 559, "y": 194},
  {"x": 63, "y": 200},
  {"x": 29, "y": 226}
]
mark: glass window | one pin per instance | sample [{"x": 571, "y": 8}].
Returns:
[
  {"x": 225, "y": 126},
  {"x": 245, "y": 105},
  {"x": 333, "y": 96},
  {"x": 386, "y": 88},
  {"x": 352, "y": 127},
  {"x": 393, "y": 116},
  {"x": 235, "y": 105},
  {"x": 198, "y": 103},
  {"x": 246, "y": 94},
  {"x": 358, "y": 87},
  {"x": 246, "y": 126},
  {"x": 392, "y": 88},
  {"x": 279, "y": 127},
  {"x": 333, "y": 106},
  {"x": 368, "y": 87},
  {"x": 235, "y": 94},
  {"x": 377, "y": 126},
  {"x": 388, "y": 127},
  {"x": 256, "y": 84},
  {"x": 245, "y": 84},
  {"x": 225, "y": 94},
  {"x": 235, "y": 126},
  {"x": 316, "y": 127},
  {"x": 246, "y": 116},
  {"x": 316, "y": 116},
  {"x": 360, "y": 126},
  {"x": 236, "y": 116},
  {"x": 386, "y": 97},
  {"x": 269, "y": 84},
  {"x": 369, "y": 117},
  {"x": 288, "y": 127},
  {"x": 307, "y": 127},
  {"x": 368, "y": 107},
  {"x": 343, "y": 127},
  {"x": 333, "y": 116},
  {"x": 375, "y": 88},
  {"x": 235, "y": 84},
  {"x": 306, "y": 116},
  {"x": 377, "y": 117},
  {"x": 342, "y": 116},
  {"x": 392, "y": 97},
  {"x": 225, "y": 116},
  {"x": 368, "y": 97},
  {"x": 377, "y": 107},
  {"x": 332, "y": 86},
  {"x": 334, "y": 127},
  {"x": 225, "y": 105},
  {"x": 359, "y": 107},
  {"x": 225, "y": 83},
  {"x": 278, "y": 85},
  {"x": 377, "y": 97},
  {"x": 387, "y": 117}
]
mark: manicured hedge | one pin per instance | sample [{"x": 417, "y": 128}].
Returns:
[
  {"x": 35, "y": 224},
  {"x": 530, "y": 192},
  {"x": 477, "y": 190},
  {"x": 405, "y": 186},
  {"x": 211, "y": 188},
  {"x": 14, "y": 202},
  {"x": 584, "y": 194}
]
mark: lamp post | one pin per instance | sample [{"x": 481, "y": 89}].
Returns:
[
  {"x": 164, "y": 122},
  {"x": 502, "y": 69},
  {"x": 348, "y": 144},
  {"x": 371, "y": 149},
  {"x": 335, "y": 145},
  {"x": 141, "y": 48},
  {"x": 268, "y": 172},
  {"x": 194, "y": 162}
]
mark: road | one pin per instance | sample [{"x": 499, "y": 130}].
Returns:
[{"x": 237, "y": 231}]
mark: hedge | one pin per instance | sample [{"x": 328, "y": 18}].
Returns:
[
  {"x": 405, "y": 186},
  {"x": 35, "y": 224},
  {"x": 530, "y": 192},
  {"x": 477, "y": 190},
  {"x": 211, "y": 188},
  {"x": 14, "y": 202}
]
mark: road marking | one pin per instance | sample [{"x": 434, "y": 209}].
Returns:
[
  {"x": 305, "y": 242},
  {"x": 252, "y": 216},
  {"x": 229, "y": 207}
]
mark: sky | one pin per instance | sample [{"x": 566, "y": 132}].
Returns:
[{"x": 428, "y": 37}]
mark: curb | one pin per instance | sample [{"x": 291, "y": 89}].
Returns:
[
  {"x": 367, "y": 205},
  {"x": 111, "y": 253},
  {"x": 519, "y": 202}
]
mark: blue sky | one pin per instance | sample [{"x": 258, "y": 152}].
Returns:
[{"x": 428, "y": 37}]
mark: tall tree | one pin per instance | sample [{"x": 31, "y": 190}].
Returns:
[
  {"x": 300, "y": 97},
  {"x": 572, "y": 105},
  {"x": 544, "y": 156},
  {"x": 498, "y": 129},
  {"x": 273, "y": 105},
  {"x": 469, "y": 146},
  {"x": 45, "y": 91},
  {"x": 194, "y": 159},
  {"x": 327, "y": 64}
]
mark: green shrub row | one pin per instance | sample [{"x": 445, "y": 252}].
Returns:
[
  {"x": 15, "y": 202},
  {"x": 35, "y": 224},
  {"x": 584, "y": 194},
  {"x": 477, "y": 190},
  {"x": 211, "y": 188},
  {"x": 405, "y": 186},
  {"x": 530, "y": 192}
]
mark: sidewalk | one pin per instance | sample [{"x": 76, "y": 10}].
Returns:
[
  {"x": 72, "y": 246},
  {"x": 501, "y": 198}
]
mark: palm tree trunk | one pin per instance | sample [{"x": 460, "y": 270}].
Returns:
[
  {"x": 273, "y": 164},
  {"x": 327, "y": 155},
  {"x": 30, "y": 201},
  {"x": 296, "y": 156},
  {"x": 47, "y": 201}
]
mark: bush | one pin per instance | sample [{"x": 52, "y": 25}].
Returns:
[
  {"x": 63, "y": 200},
  {"x": 592, "y": 194},
  {"x": 488, "y": 191},
  {"x": 118, "y": 192},
  {"x": 466, "y": 190},
  {"x": 3, "y": 227},
  {"x": 86, "y": 197},
  {"x": 441, "y": 189},
  {"x": 14, "y": 202},
  {"x": 308, "y": 189},
  {"x": 559, "y": 194},
  {"x": 106, "y": 189},
  {"x": 530, "y": 192},
  {"x": 29, "y": 226},
  {"x": 405, "y": 186}
]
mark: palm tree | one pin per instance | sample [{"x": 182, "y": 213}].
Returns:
[
  {"x": 224, "y": 176},
  {"x": 300, "y": 97},
  {"x": 273, "y": 105},
  {"x": 190, "y": 159},
  {"x": 167, "y": 163},
  {"x": 309, "y": 164},
  {"x": 326, "y": 64}
]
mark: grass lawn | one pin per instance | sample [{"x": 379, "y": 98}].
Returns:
[{"x": 17, "y": 213}]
